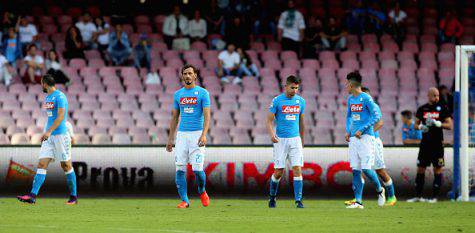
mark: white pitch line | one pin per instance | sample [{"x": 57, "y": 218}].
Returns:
[{"x": 108, "y": 228}]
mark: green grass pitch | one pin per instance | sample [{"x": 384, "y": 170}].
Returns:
[{"x": 230, "y": 215}]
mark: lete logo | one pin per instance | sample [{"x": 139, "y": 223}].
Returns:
[
  {"x": 356, "y": 107},
  {"x": 48, "y": 105},
  {"x": 290, "y": 109},
  {"x": 432, "y": 115},
  {"x": 188, "y": 100}
]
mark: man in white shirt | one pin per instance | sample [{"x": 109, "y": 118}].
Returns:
[
  {"x": 5, "y": 75},
  {"x": 228, "y": 64},
  {"x": 396, "y": 23},
  {"x": 88, "y": 31},
  {"x": 291, "y": 28},
  {"x": 34, "y": 66},
  {"x": 28, "y": 33},
  {"x": 197, "y": 27},
  {"x": 175, "y": 26}
]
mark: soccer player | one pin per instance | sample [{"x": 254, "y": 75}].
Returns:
[
  {"x": 192, "y": 105},
  {"x": 431, "y": 118},
  {"x": 410, "y": 135},
  {"x": 360, "y": 120},
  {"x": 56, "y": 142},
  {"x": 287, "y": 110}
]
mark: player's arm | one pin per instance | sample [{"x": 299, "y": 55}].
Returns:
[
  {"x": 302, "y": 128},
  {"x": 348, "y": 122},
  {"x": 378, "y": 125},
  {"x": 411, "y": 141},
  {"x": 375, "y": 117},
  {"x": 55, "y": 124},
  {"x": 173, "y": 125},
  {"x": 207, "y": 117},
  {"x": 270, "y": 127},
  {"x": 447, "y": 124}
]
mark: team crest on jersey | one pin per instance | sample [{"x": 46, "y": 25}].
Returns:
[
  {"x": 196, "y": 93},
  {"x": 188, "y": 101},
  {"x": 356, "y": 107},
  {"x": 297, "y": 101},
  {"x": 438, "y": 108},
  {"x": 48, "y": 105},
  {"x": 286, "y": 109}
]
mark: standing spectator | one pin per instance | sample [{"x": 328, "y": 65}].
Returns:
[
  {"x": 450, "y": 28},
  {"x": 119, "y": 47},
  {"x": 263, "y": 19},
  {"x": 9, "y": 20},
  {"x": 27, "y": 32},
  {"x": 237, "y": 34},
  {"x": 88, "y": 31},
  {"x": 291, "y": 28},
  {"x": 247, "y": 66},
  {"x": 410, "y": 135},
  {"x": 34, "y": 64},
  {"x": 175, "y": 26},
  {"x": 74, "y": 44},
  {"x": 5, "y": 67},
  {"x": 53, "y": 67},
  {"x": 377, "y": 18},
  {"x": 228, "y": 64},
  {"x": 102, "y": 34},
  {"x": 197, "y": 28},
  {"x": 396, "y": 23},
  {"x": 356, "y": 18},
  {"x": 142, "y": 53},
  {"x": 333, "y": 36},
  {"x": 446, "y": 98},
  {"x": 215, "y": 19},
  {"x": 11, "y": 47},
  {"x": 312, "y": 39}
]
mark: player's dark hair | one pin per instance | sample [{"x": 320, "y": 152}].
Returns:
[
  {"x": 354, "y": 77},
  {"x": 407, "y": 114},
  {"x": 195, "y": 70},
  {"x": 48, "y": 80},
  {"x": 365, "y": 89},
  {"x": 293, "y": 79}
]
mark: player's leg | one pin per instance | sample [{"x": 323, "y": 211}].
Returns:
[
  {"x": 197, "y": 155},
  {"x": 296, "y": 161},
  {"x": 181, "y": 160},
  {"x": 279, "y": 153},
  {"x": 422, "y": 163},
  {"x": 355, "y": 164},
  {"x": 62, "y": 152},
  {"x": 38, "y": 181},
  {"x": 366, "y": 153},
  {"x": 380, "y": 168},
  {"x": 438, "y": 163},
  {"x": 71, "y": 181}
]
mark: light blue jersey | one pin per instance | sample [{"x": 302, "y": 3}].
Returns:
[
  {"x": 378, "y": 109},
  {"x": 52, "y": 103},
  {"x": 191, "y": 102},
  {"x": 361, "y": 114},
  {"x": 410, "y": 132},
  {"x": 287, "y": 113}
]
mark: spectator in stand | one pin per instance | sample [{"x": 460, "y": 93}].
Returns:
[
  {"x": 197, "y": 28},
  {"x": 247, "y": 67},
  {"x": 175, "y": 26},
  {"x": 237, "y": 33},
  {"x": 333, "y": 36},
  {"x": 377, "y": 19},
  {"x": 396, "y": 23},
  {"x": 119, "y": 47},
  {"x": 263, "y": 19},
  {"x": 34, "y": 64},
  {"x": 410, "y": 135},
  {"x": 88, "y": 31},
  {"x": 291, "y": 28},
  {"x": 11, "y": 47},
  {"x": 74, "y": 45},
  {"x": 450, "y": 28},
  {"x": 5, "y": 74},
  {"x": 9, "y": 20},
  {"x": 228, "y": 64},
  {"x": 142, "y": 53},
  {"x": 312, "y": 40},
  {"x": 27, "y": 32},
  {"x": 103, "y": 29},
  {"x": 215, "y": 19},
  {"x": 356, "y": 18},
  {"x": 53, "y": 67},
  {"x": 446, "y": 98}
]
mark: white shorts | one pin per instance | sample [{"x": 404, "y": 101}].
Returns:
[
  {"x": 56, "y": 147},
  {"x": 288, "y": 148},
  {"x": 361, "y": 152},
  {"x": 378, "y": 154},
  {"x": 188, "y": 151}
]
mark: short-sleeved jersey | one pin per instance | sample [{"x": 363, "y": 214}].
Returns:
[
  {"x": 52, "y": 103},
  {"x": 437, "y": 112},
  {"x": 361, "y": 114},
  {"x": 410, "y": 132},
  {"x": 191, "y": 102},
  {"x": 287, "y": 113},
  {"x": 378, "y": 109}
]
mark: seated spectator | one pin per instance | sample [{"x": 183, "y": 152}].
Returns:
[
  {"x": 11, "y": 47},
  {"x": 102, "y": 34},
  {"x": 247, "y": 66},
  {"x": 142, "y": 53},
  {"x": 27, "y": 32},
  {"x": 396, "y": 23},
  {"x": 333, "y": 36},
  {"x": 175, "y": 27},
  {"x": 356, "y": 18},
  {"x": 410, "y": 135},
  {"x": 237, "y": 34},
  {"x": 215, "y": 19},
  {"x": 228, "y": 64},
  {"x": 119, "y": 47},
  {"x": 34, "y": 64},
  {"x": 450, "y": 28},
  {"x": 377, "y": 19},
  {"x": 263, "y": 20},
  {"x": 291, "y": 28},
  {"x": 197, "y": 28},
  {"x": 312, "y": 40},
  {"x": 88, "y": 31},
  {"x": 5, "y": 71},
  {"x": 53, "y": 67},
  {"x": 74, "y": 44}
]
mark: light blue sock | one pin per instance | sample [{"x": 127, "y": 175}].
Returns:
[
  {"x": 358, "y": 186},
  {"x": 274, "y": 186},
  {"x": 201, "y": 181},
  {"x": 390, "y": 188},
  {"x": 71, "y": 180},
  {"x": 38, "y": 180},
  {"x": 180, "y": 180},
  {"x": 373, "y": 177},
  {"x": 298, "y": 187}
]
